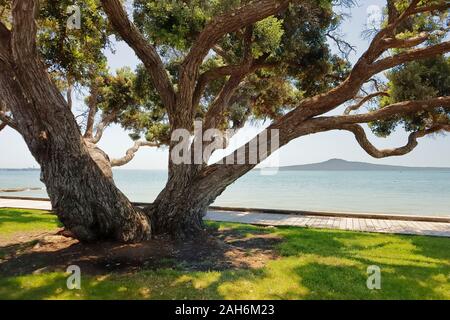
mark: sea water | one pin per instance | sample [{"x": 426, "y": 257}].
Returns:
[{"x": 395, "y": 192}]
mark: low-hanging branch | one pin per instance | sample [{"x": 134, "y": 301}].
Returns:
[
  {"x": 288, "y": 132},
  {"x": 364, "y": 142},
  {"x": 131, "y": 152},
  {"x": 394, "y": 110}
]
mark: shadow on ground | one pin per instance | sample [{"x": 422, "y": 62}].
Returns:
[{"x": 237, "y": 262}]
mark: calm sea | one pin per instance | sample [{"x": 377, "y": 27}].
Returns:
[{"x": 402, "y": 192}]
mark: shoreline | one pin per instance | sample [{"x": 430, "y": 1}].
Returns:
[
  {"x": 12, "y": 190},
  {"x": 337, "y": 214}
]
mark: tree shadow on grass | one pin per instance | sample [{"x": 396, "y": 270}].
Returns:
[
  {"x": 225, "y": 249},
  {"x": 314, "y": 264}
]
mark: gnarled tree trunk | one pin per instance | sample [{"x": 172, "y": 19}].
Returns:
[
  {"x": 85, "y": 199},
  {"x": 181, "y": 206},
  {"x": 100, "y": 158}
]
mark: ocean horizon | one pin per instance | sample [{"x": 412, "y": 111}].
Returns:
[{"x": 391, "y": 192}]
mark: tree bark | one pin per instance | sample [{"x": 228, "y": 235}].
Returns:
[
  {"x": 183, "y": 203},
  {"x": 181, "y": 206},
  {"x": 85, "y": 200},
  {"x": 100, "y": 158}
]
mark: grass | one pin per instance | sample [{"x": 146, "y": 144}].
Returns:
[
  {"x": 314, "y": 264},
  {"x": 23, "y": 220}
]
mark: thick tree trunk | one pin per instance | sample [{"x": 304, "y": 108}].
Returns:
[
  {"x": 100, "y": 158},
  {"x": 180, "y": 217},
  {"x": 85, "y": 199},
  {"x": 181, "y": 206},
  {"x": 87, "y": 202}
]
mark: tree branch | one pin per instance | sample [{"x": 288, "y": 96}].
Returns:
[
  {"x": 390, "y": 111},
  {"x": 408, "y": 11},
  {"x": 367, "y": 98},
  {"x": 406, "y": 43},
  {"x": 106, "y": 121},
  {"x": 364, "y": 69},
  {"x": 214, "y": 113},
  {"x": 23, "y": 41},
  {"x": 216, "y": 73},
  {"x": 132, "y": 152},
  {"x": 364, "y": 142},
  {"x": 92, "y": 103},
  {"x": 344, "y": 47},
  {"x": 143, "y": 49},
  {"x": 216, "y": 29},
  {"x": 410, "y": 55},
  {"x": 435, "y": 7},
  {"x": 289, "y": 130}
]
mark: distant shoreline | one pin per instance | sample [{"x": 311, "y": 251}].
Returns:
[
  {"x": 11, "y": 190},
  {"x": 329, "y": 165},
  {"x": 20, "y": 169}
]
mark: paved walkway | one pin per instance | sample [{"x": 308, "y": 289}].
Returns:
[{"x": 441, "y": 229}]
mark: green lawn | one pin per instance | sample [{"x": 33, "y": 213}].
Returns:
[
  {"x": 23, "y": 220},
  {"x": 314, "y": 264}
]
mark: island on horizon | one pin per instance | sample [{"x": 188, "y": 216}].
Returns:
[{"x": 344, "y": 165}]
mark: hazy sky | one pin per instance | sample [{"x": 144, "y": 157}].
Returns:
[{"x": 432, "y": 151}]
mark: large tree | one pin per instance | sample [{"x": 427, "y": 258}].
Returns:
[
  {"x": 228, "y": 62},
  {"x": 85, "y": 199},
  {"x": 231, "y": 61}
]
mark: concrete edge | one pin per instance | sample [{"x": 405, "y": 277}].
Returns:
[{"x": 382, "y": 216}]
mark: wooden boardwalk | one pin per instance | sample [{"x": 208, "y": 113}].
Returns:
[{"x": 441, "y": 229}]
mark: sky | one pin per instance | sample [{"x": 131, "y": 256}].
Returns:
[{"x": 432, "y": 151}]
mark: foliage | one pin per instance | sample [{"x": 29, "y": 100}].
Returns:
[
  {"x": 417, "y": 80},
  {"x": 75, "y": 55},
  {"x": 133, "y": 104},
  {"x": 294, "y": 44}
]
